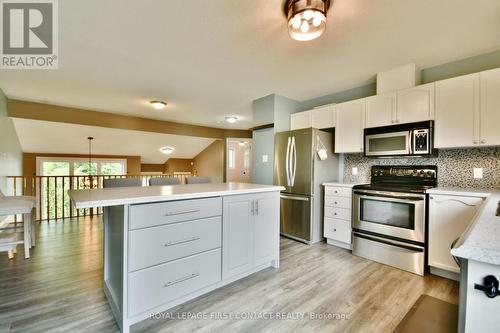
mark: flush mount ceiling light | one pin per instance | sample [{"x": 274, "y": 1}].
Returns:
[
  {"x": 167, "y": 150},
  {"x": 231, "y": 119},
  {"x": 306, "y": 18},
  {"x": 158, "y": 105}
]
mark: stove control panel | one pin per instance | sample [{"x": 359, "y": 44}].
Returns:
[{"x": 427, "y": 172}]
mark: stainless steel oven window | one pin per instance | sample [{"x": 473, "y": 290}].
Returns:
[
  {"x": 396, "y": 143},
  {"x": 395, "y": 214}
]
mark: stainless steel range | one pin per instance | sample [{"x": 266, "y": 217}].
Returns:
[{"x": 390, "y": 216}]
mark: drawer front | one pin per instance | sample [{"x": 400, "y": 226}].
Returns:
[
  {"x": 338, "y": 213},
  {"x": 338, "y": 230},
  {"x": 152, "y": 287},
  {"x": 156, "y": 245},
  {"x": 338, "y": 202},
  {"x": 338, "y": 191},
  {"x": 150, "y": 215}
]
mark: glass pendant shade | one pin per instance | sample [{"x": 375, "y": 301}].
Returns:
[{"x": 306, "y": 18}]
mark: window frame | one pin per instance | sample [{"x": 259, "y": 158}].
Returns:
[{"x": 71, "y": 160}]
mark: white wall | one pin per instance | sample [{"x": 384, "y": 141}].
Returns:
[{"x": 11, "y": 154}]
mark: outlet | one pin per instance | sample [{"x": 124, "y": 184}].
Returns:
[
  {"x": 265, "y": 158},
  {"x": 354, "y": 171},
  {"x": 478, "y": 173}
]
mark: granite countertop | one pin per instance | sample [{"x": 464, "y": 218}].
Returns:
[
  {"x": 341, "y": 184},
  {"x": 481, "y": 240},
  {"x": 144, "y": 194}
]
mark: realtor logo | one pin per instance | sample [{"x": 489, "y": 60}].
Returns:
[{"x": 29, "y": 34}]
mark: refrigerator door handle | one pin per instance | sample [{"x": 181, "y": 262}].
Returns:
[
  {"x": 287, "y": 162},
  {"x": 294, "y": 155}
]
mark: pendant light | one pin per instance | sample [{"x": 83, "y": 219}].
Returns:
[
  {"x": 89, "y": 183},
  {"x": 306, "y": 18}
]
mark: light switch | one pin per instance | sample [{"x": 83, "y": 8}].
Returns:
[
  {"x": 265, "y": 158},
  {"x": 478, "y": 173},
  {"x": 354, "y": 171}
]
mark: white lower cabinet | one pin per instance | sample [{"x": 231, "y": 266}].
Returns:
[
  {"x": 449, "y": 216},
  {"x": 338, "y": 214},
  {"x": 250, "y": 232}
]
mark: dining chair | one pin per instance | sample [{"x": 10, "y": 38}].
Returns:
[
  {"x": 198, "y": 180},
  {"x": 121, "y": 182},
  {"x": 162, "y": 181}
]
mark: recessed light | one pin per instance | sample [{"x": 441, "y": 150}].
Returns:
[
  {"x": 158, "y": 105},
  {"x": 231, "y": 119},
  {"x": 167, "y": 150}
]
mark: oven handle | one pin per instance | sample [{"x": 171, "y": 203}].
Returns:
[
  {"x": 389, "y": 242},
  {"x": 362, "y": 193}
]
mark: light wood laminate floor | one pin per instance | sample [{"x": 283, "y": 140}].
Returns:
[{"x": 60, "y": 289}]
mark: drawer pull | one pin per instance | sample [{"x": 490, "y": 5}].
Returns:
[
  {"x": 335, "y": 191},
  {"x": 192, "y": 239},
  {"x": 182, "y": 212},
  {"x": 335, "y": 202},
  {"x": 335, "y": 214},
  {"x": 189, "y": 277}
]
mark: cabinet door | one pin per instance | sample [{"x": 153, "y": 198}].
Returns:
[
  {"x": 415, "y": 104},
  {"x": 323, "y": 117},
  {"x": 300, "y": 120},
  {"x": 490, "y": 108},
  {"x": 449, "y": 216},
  {"x": 350, "y": 121},
  {"x": 266, "y": 228},
  {"x": 237, "y": 239},
  {"x": 380, "y": 110},
  {"x": 457, "y": 112}
]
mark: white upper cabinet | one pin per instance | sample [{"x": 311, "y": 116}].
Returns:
[
  {"x": 350, "y": 122},
  {"x": 301, "y": 120},
  {"x": 490, "y": 108},
  {"x": 380, "y": 110},
  {"x": 457, "y": 112},
  {"x": 323, "y": 117},
  {"x": 415, "y": 104}
]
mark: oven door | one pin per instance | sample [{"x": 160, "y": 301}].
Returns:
[
  {"x": 400, "y": 215},
  {"x": 388, "y": 144}
]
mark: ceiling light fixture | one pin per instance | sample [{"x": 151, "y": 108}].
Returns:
[
  {"x": 158, "y": 105},
  {"x": 306, "y": 18},
  {"x": 231, "y": 119},
  {"x": 167, "y": 150}
]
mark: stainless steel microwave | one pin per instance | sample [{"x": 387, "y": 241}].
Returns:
[{"x": 413, "y": 139}]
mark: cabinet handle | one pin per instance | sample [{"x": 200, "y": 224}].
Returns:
[
  {"x": 252, "y": 209},
  {"x": 189, "y": 277},
  {"x": 334, "y": 229},
  {"x": 192, "y": 239},
  {"x": 257, "y": 207},
  {"x": 182, "y": 212}
]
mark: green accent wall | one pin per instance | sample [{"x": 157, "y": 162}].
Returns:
[{"x": 440, "y": 72}]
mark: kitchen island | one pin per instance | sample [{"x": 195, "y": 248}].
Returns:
[
  {"x": 479, "y": 251},
  {"x": 165, "y": 245}
]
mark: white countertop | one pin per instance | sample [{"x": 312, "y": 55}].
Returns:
[
  {"x": 145, "y": 194},
  {"x": 341, "y": 184},
  {"x": 481, "y": 240}
]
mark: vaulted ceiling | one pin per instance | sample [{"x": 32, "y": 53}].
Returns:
[{"x": 209, "y": 59}]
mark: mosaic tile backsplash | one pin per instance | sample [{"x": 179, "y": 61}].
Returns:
[{"x": 455, "y": 166}]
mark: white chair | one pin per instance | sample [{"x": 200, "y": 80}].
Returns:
[{"x": 13, "y": 205}]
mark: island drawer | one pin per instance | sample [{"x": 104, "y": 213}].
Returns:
[
  {"x": 152, "y": 287},
  {"x": 156, "y": 245},
  {"x": 150, "y": 215}
]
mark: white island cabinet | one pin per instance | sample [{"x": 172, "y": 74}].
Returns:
[{"x": 165, "y": 245}]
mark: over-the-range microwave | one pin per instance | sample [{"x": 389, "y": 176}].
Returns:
[{"x": 413, "y": 139}]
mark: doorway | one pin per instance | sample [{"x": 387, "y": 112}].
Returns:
[{"x": 239, "y": 160}]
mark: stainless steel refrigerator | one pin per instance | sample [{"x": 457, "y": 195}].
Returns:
[{"x": 298, "y": 167}]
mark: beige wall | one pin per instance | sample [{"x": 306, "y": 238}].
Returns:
[
  {"x": 29, "y": 161},
  {"x": 149, "y": 167},
  {"x": 178, "y": 165},
  {"x": 210, "y": 162},
  {"x": 10, "y": 148},
  {"x": 238, "y": 173}
]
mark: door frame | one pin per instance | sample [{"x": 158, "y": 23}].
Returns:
[{"x": 226, "y": 155}]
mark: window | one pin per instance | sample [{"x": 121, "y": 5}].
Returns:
[
  {"x": 230, "y": 158},
  {"x": 246, "y": 159},
  {"x": 55, "y": 168},
  {"x": 112, "y": 168}
]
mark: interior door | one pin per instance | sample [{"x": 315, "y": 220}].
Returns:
[
  {"x": 282, "y": 144},
  {"x": 295, "y": 217},
  {"x": 301, "y": 162}
]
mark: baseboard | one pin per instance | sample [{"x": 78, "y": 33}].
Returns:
[
  {"x": 446, "y": 274},
  {"x": 339, "y": 244}
]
